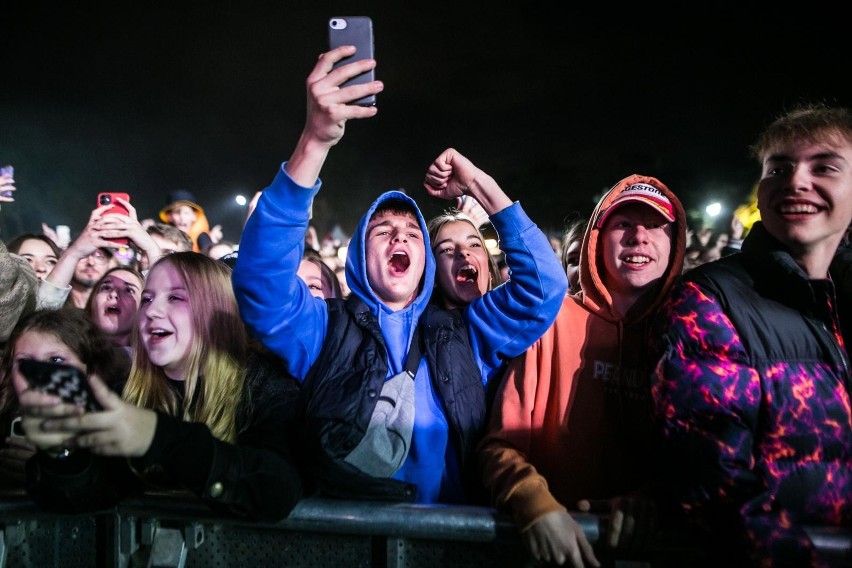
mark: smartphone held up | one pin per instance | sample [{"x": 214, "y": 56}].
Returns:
[
  {"x": 357, "y": 31},
  {"x": 67, "y": 382},
  {"x": 7, "y": 171},
  {"x": 118, "y": 208}
]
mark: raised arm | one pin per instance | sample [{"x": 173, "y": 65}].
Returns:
[
  {"x": 504, "y": 321},
  {"x": 452, "y": 175},
  {"x": 274, "y": 303},
  {"x": 328, "y": 112}
]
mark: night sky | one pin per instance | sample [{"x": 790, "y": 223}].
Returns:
[{"x": 209, "y": 97}]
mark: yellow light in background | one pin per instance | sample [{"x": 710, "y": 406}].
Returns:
[{"x": 748, "y": 213}]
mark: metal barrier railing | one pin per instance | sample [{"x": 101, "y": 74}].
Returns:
[{"x": 162, "y": 530}]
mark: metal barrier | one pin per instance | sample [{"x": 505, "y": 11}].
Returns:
[{"x": 179, "y": 531}]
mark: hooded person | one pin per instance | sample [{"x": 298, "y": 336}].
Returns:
[
  {"x": 571, "y": 421},
  {"x": 346, "y": 351},
  {"x": 350, "y": 355},
  {"x": 182, "y": 211}
]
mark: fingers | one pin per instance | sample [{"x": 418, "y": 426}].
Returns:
[
  {"x": 103, "y": 443},
  {"x": 41, "y": 438},
  {"x": 103, "y": 394},
  {"x": 616, "y": 523},
  {"x": 586, "y": 552},
  {"x": 98, "y": 212},
  {"x": 556, "y": 537},
  {"x": 131, "y": 211},
  {"x": 69, "y": 425},
  {"x": 328, "y": 59},
  {"x": 325, "y": 78},
  {"x": 126, "y": 432},
  {"x": 34, "y": 402},
  {"x": 7, "y": 188},
  {"x": 632, "y": 524}
]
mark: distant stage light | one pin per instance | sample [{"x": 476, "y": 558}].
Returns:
[
  {"x": 241, "y": 200},
  {"x": 714, "y": 209}
]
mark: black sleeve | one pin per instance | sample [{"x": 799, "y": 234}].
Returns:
[
  {"x": 203, "y": 240},
  {"x": 841, "y": 274},
  {"x": 256, "y": 477},
  {"x": 79, "y": 483}
]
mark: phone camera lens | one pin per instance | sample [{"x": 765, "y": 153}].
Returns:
[{"x": 105, "y": 200}]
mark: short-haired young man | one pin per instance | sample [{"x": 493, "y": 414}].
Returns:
[
  {"x": 752, "y": 389},
  {"x": 571, "y": 422}
]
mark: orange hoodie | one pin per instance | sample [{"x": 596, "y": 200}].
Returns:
[{"x": 571, "y": 419}]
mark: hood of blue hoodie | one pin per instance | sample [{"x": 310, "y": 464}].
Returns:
[{"x": 397, "y": 326}]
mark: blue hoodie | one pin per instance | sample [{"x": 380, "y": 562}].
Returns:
[{"x": 279, "y": 310}]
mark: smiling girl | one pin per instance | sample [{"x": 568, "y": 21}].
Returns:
[{"x": 198, "y": 412}]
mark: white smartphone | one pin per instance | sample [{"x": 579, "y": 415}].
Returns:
[{"x": 357, "y": 31}]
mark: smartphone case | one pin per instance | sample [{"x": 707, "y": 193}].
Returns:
[
  {"x": 108, "y": 198},
  {"x": 357, "y": 31},
  {"x": 65, "y": 381}
]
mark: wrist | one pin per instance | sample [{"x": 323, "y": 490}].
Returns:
[{"x": 490, "y": 196}]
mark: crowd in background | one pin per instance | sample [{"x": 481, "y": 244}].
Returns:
[{"x": 601, "y": 371}]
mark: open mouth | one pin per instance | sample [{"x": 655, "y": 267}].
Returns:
[
  {"x": 399, "y": 262},
  {"x": 636, "y": 259},
  {"x": 112, "y": 310},
  {"x": 467, "y": 274},
  {"x": 160, "y": 333}
]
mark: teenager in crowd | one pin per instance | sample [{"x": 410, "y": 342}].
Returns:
[
  {"x": 197, "y": 413},
  {"x": 347, "y": 352}
]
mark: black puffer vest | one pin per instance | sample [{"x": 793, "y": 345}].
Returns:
[{"x": 342, "y": 387}]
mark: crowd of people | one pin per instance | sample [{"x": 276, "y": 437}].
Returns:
[{"x": 656, "y": 376}]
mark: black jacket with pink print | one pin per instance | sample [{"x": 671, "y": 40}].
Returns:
[{"x": 752, "y": 397}]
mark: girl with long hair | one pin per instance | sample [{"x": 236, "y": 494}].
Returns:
[{"x": 198, "y": 411}]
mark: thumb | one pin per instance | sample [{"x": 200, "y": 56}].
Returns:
[{"x": 103, "y": 394}]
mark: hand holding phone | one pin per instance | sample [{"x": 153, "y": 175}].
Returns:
[
  {"x": 357, "y": 31},
  {"x": 109, "y": 198},
  {"x": 67, "y": 382},
  {"x": 7, "y": 171}
]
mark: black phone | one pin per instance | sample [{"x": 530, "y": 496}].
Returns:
[
  {"x": 357, "y": 31},
  {"x": 65, "y": 381}
]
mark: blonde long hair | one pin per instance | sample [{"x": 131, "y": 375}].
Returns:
[{"x": 215, "y": 374}]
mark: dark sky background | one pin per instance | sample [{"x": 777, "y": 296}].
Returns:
[{"x": 209, "y": 97}]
